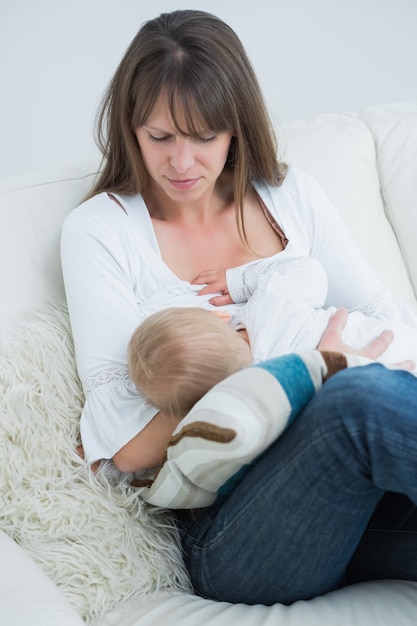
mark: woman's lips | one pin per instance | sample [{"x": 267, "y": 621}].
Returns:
[{"x": 183, "y": 184}]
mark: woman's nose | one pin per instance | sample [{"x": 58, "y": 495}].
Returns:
[{"x": 182, "y": 156}]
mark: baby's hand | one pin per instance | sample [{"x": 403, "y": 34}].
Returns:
[{"x": 215, "y": 282}]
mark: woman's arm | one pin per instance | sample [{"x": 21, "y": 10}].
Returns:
[
  {"x": 148, "y": 447},
  {"x": 315, "y": 225},
  {"x": 99, "y": 282}
]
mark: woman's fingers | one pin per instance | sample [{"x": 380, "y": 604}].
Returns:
[
  {"x": 221, "y": 300},
  {"x": 332, "y": 338},
  {"x": 408, "y": 365},
  {"x": 377, "y": 346},
  {"x": 215, "y": 282}
]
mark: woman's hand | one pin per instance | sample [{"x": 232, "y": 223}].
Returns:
[
  {"x": 215, "y": 281},
  {"x": 332, "y": 341},
  {"x": 332, "y": 338}
]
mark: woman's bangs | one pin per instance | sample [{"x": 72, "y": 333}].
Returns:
[
  {"x": 194, "y": 109},
  {"x": 145, "y": 97},
  {"x": 194, "y": 112}
]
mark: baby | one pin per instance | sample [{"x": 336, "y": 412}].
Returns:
[{"x": 178, "y": 354}]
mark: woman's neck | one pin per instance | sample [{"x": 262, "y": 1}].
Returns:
[{"x": 200, "y": 211}]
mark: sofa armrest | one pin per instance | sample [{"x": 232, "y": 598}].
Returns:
[{"x": 27, "y": 596}]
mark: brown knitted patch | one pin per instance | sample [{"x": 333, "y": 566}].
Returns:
[
  {"x": 335, "y": 362},
  {"x": 203, "y": 430}
]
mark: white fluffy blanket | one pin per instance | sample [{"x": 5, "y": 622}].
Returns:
[{"x": 91, "y": 534}]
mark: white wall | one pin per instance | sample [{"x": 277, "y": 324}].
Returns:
[{"x": 312, "y": 56}]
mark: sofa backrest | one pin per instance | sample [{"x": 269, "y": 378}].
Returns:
[
  {"x": 366, "y": 164},
  {"x": 32, "y": 209}
]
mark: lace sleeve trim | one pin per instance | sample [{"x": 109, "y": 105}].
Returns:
[{"x": 105, "y": 377}]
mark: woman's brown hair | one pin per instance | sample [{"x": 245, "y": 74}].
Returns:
[{"x": 199, "y": 63}]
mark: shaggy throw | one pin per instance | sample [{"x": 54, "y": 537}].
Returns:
[{"x": 91, "y": 534}]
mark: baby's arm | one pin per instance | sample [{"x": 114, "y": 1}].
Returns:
[
  {"x": 301, "y": 279},
  {"x": 243, "y": 281},
  {"x": 235, "y": 285}
]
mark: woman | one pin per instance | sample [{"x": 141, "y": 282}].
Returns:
[{"x": 191, "y": 186}]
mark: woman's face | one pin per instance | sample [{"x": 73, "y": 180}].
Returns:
[{"x": 184, "y": 168}]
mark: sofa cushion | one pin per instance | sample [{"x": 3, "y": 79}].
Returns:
[
  {"x": 339, "y": 151},
  {"x": 382, "y": 603}
]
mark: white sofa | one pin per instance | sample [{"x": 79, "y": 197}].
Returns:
[{"x": 367, "y": 163}]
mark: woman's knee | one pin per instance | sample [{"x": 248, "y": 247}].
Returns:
[
  {"x": 372, "y": 403},
  {"x": 371, "y": 385}
]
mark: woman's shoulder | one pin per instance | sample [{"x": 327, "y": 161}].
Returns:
[
  {"x": 109, "y": 204},
  {"x": 98, "y": 208},
  {"x": 107, "y": 211}
]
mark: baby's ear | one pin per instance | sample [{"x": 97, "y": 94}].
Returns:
[{"x": 223, "y": 315}]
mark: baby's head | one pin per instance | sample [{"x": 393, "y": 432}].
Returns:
[{"x": 175, "y": 356}]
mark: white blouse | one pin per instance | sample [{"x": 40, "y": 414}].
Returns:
[{"x": 115, "y": 277}]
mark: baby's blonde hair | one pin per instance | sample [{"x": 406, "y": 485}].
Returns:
[{"x": 176, "y": 355}]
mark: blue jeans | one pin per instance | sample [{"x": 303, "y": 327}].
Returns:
[{"x": 322, "y": 507}]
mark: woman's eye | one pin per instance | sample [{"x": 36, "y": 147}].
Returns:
[
  {"x": 207, "y": 139},
  {"x": 158, "y": 139},
  {"x": 163, "y": 138}
]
